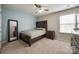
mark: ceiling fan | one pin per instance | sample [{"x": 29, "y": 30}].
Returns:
[{"x": 41, "y": 8}]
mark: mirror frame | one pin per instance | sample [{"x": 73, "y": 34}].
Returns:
[{"x": 9, "y": 30}]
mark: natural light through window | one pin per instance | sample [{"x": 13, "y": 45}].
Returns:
[{"x": 67, "y": 23}]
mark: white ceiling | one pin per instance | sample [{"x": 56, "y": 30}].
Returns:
[{"x": 30, "y": 8}]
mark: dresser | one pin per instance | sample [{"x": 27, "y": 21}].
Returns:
[{"x": 75, "y": 43}]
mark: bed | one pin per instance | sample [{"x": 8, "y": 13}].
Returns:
[{"x": 33, "y": 35}]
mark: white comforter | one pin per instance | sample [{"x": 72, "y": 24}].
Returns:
[{"x": 34, "y": 33}]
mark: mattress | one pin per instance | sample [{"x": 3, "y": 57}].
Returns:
[{"x": 34, "y": 33}]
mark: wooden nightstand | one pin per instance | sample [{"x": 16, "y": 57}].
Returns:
[{"x": 50, "y": 34}]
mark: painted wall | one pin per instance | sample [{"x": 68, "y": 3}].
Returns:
[
  {"x": 0, "y": 27},
  {"x": 53, "y": 23},
  {"x": 25, "y": 21}
]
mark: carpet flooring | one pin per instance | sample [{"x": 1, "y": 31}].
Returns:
[{"x": 43, "y": 46}]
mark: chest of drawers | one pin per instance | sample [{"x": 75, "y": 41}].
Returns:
[{"x": 75, "y": 43}]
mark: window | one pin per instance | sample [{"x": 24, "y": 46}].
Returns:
[{"x": 67, "y": 23}]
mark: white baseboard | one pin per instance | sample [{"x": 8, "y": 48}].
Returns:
[{"x": 4, "y": 42}]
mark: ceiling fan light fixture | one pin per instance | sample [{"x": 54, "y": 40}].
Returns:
[
  {"x": 41, "y": 8},
  {"x": 40, "y": 11}
]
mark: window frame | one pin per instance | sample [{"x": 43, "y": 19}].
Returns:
[{"x": 68, "y": 23}]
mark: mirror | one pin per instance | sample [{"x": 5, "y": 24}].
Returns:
[{"x": 12, "y": 30}]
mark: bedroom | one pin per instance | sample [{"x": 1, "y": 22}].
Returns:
[{"x": 27, "y": 16}]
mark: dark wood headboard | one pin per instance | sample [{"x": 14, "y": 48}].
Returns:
[{"x": 41, "y": 24}]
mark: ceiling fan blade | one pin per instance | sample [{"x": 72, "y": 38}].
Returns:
[
  {"x": 46, "y": 10},
  {"x": 37, "y": 5}
]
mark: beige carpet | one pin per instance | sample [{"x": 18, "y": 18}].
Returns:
[{"x": 42, "y": 46}]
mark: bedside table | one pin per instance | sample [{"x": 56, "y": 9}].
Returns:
[{"x": 50, "y": 34}]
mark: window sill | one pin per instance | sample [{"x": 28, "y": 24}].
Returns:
[{"x": 65, "y": 33}]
